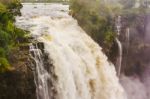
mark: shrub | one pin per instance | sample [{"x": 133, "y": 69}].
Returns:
[
  {"x": 4, "y": 65},
  {"x": 9, "y": 33},
  {"x": 97, "y": 19},
  {"x": 2, "y": 52}
]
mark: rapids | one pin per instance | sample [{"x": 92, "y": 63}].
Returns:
[{"x": 82, "y": 70}]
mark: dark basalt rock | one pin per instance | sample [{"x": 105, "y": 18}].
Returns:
[
  {"x": 18, "y": 83},
  {"x": 24, "y": 47},
  {"x": 49, "y": 67},
  {"x": 135, "y": 55},
  {"x": 40, "y": 45}
]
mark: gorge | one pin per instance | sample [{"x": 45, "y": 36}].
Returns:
[
  {"x": 74, "y": 49},
  {"x": 81, "y": 69}
]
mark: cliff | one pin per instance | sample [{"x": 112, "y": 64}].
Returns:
[{"x": 18, "y": 83}]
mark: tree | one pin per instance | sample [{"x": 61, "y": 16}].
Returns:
[
  {"x": 97, "y": 18},
  {"x": 9, "y": 33}
]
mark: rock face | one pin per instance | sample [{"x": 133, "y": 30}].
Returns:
[
  {"x": 18, "y": 83},
  {"x": 136, "y": 47}
]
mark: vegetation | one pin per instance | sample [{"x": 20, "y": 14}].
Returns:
[
  {"x": 97, "y": 18},
  {"x": 44, "y": 1},
  {"x": 135, "y": 18},
  {"x": 10, "y": 35}
]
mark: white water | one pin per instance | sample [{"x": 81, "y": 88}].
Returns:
[
  {"x": 82, "y": 70},
  {"x": 119, "y": 58},
  {"x": 127, "y": 39},
  {"x": 41, "y": 75}
]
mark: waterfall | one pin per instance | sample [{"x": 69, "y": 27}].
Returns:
[
  {"x": 41, "y": 75},
  {"x": 81, "y": 68},
  {"x": 128, "y": 38},
  {"x": 119, "y": 58},
  {"x": 127, "y": 44}
]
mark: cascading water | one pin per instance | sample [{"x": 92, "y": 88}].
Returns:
[
  {"x": 127, "y": 45},
  {"x": 41, "y": 75},
  {"x": 82, "y": 70},
  {"x": 127, "y": 39},
  {"x": 119, "y": 58}
]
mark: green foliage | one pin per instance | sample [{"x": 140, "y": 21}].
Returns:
[
  {"x": 10, "y": 26},
  {"x": 20, "y": 33},
  {"x": 4, "y": 38},
  {"x": 109, "y": 37},
  {"x": 2, "y": 8},
  {"x": 97, "y": 19},
  {"x": 128, "y": 3},
  {"x": 4, "y": 65},
  {"x": 2, "y": 52},
  {"x": 44, "y": 0},
  {"x": 9, "y": 33},
  {"x": 14, "y": 7}
]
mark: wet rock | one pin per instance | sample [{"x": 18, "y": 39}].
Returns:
[
  {"x": 17, "y": 84},
  {"x": 24, "y": 47},
  {"x": 40, "y": 45}
]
